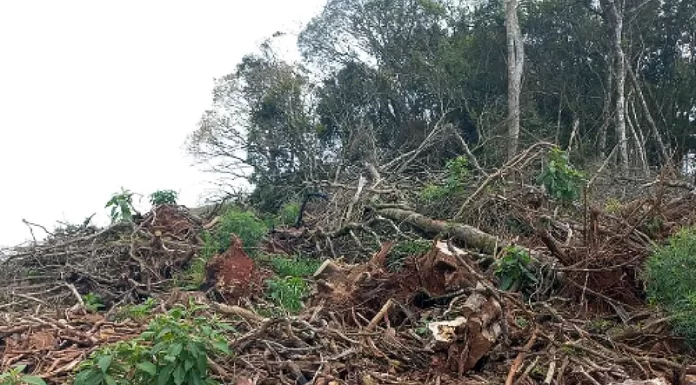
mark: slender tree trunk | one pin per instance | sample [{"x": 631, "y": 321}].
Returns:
[
  {"x": 515, "y": 66},
  {"x": 640, "y": 148},
  {"x": 607, "y": 110},
  {"x": 616, "y": 18},
  {"x": 651, "y": 122}
]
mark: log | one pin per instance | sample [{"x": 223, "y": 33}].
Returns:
[{"x": 472, "y": 237}]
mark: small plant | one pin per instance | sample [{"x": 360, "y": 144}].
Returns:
[
  {"x": 195, "y": 274},
  {"x": 613, "y": 206},
  {"x": 560, "y": 179},
  {"x": 14, "y": 376},
  {"x": 93, "y": 302},
  {"x": 172, "y": 351},
  {"x": 513, "y": 269},
  {"x": 245, "y": 225},
  {"x": 288, "y": 292},
  {"x": 297, "y": 266},
  {"x": 433, "y": 193},
  {"x": 121, "y": 205},
  {"x": 671, "y": 282},
  {"x": 164, "y": 197},
  {"x": 288, "y": 213},
  {"x": 457, "y": 174},
  {"x": 140, "y": 311},
  {"x": 403, "y": 250}
]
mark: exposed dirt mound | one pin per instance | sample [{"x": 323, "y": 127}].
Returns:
[{"x": 233, "y": 274}]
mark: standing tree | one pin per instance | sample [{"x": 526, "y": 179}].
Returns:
[{"x": 515, "y": 66}]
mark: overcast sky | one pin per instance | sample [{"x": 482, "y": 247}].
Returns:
[{"x": 96, "y": 95}]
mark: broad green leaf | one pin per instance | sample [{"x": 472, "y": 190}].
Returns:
[
  {"x": 148, "y": 367},
  {"x": 222, "y": 346},
  {"x": 188, "y": 364},
  {"x": 104, "y": 363},
  {"x": 33, "y": 380},
  {"x": 165, "y": 375},
  {"x": 175, "y": 349},
  {"x": 109, "y": 380},
  {"x": 179, "y": 374}
]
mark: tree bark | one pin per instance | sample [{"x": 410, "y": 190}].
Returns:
[
  {"x": 515, "y": 66},
  {"x": 473, "y": 237},
  {"x": 616, "y": 22},
  {"x": 607, "y": 110},
  {"x": 651, "y": 122}
]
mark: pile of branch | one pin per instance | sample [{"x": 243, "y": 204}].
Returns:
[
  {"x": 54, "y": 346},
  {"x": 123, "y": 262}
]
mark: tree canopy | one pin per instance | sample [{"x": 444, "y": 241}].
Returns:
[{"x": 406, "y": 85}]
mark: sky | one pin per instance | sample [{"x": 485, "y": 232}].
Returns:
[{"x": 98, "y": 95}]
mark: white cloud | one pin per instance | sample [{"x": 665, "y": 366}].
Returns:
[{"x": 99, "y": 95}]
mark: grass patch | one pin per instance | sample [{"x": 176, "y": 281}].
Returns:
[
  {"x": 671, "y": 282},
  {"x": 287, "y": 292},
  {"x": 297, "y": 266}
]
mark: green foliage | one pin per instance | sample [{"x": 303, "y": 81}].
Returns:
[
  {"x": 121, "y": 205},
  {"x": 671, "y": 282},
  {"x": 288, "y": 292},
  {"x": 613, "y": 206},
  {"x": 172, "y": 351},
  {"x": 249, "y": 228},
  {"x": 138, "y": 312},
  {"x": 14, "y": 376},
  {"x": 164, "y": 197},
  {"x": 297, "y": 266},
  {"x": 403, "y": 250},
  {"x": 456, "y": 177},
  {"x": 433, "y": 193},
  {"x": 513, "y": 269},
  {"x": 561, "y": 180},
  {"x": 288, "y": 213},
  {"x": 93, "y": 302},
  {"x": 195, "y": 273}
]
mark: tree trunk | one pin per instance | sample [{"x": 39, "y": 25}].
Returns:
[
  {"x": 656, "y": 133},
  {"x": 515, "y": 51},
  {"x": 607, "y": 111},
  {"x": 616, "y": 20}
]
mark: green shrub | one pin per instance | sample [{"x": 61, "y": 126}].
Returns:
[
  {"x": 138, "y": 312},
  {"x": 513, "y": 269},
  {"x": 288, "y": 292},
  {"x": 194, "y": 275},
  {"x": 244, "y": 224},
  {"x": 559, "y": 177},
  {"x": 172, "y": 351},
  {"x": 671, "y": 282},
  {"x": 93, "y": 302},
  {"x": 297, "y": 266},
  {"x": 433, "y": 193},
  {"x": 164, "y": 197},
  {"x": 288, "y": 213},
  {"x": 456, "y": 177},
  {"x": 14, "y": 376}
]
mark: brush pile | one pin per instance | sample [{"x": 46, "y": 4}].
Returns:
[{"x": 448, "y": 313}]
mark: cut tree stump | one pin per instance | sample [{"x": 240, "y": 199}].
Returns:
[{"x": 438, "y": 275}]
